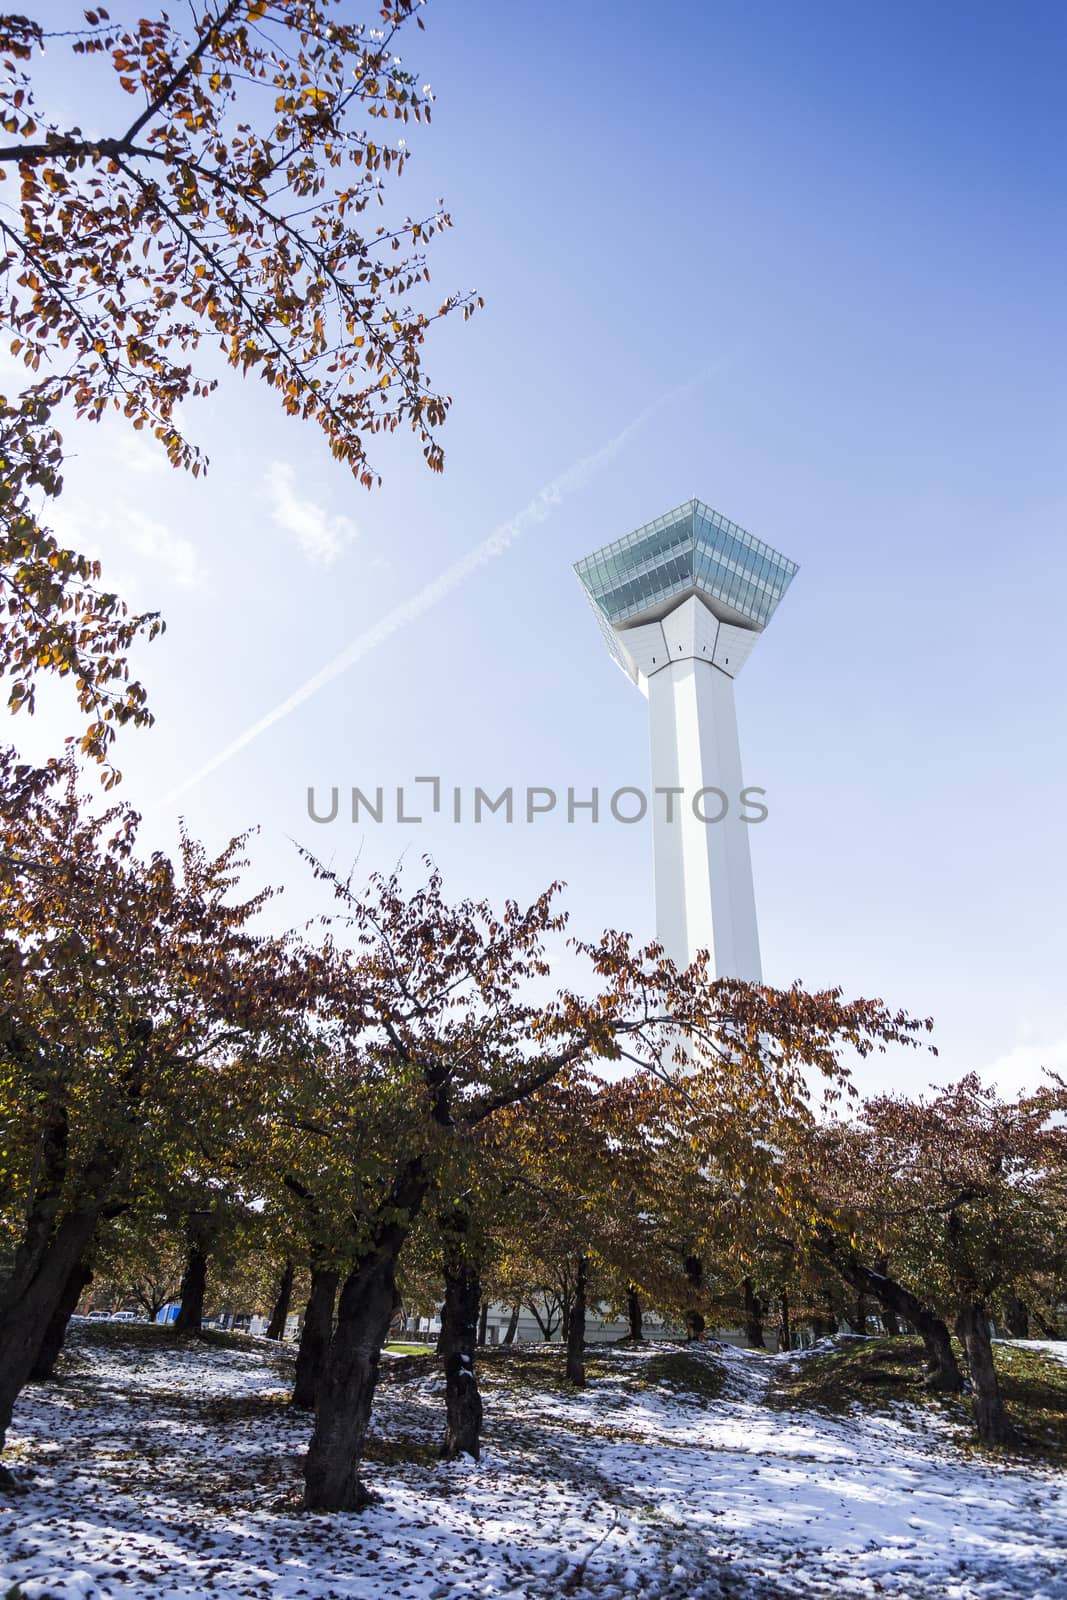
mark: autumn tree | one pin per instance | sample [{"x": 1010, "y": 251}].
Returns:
[
  {"x": 437, "y": 1023},
  {"x": 950, "y": 1202},
  {"x": 136, "y": 1007},
  {"x": 225, "y": 220},
  {"x": 704, "y": 1200},
  {"x": 140, "y": 1258},
  {"x": 432, "y": 1034}
]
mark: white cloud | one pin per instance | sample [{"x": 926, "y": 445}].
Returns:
[
  {"x": 320, "y": 535},
  {"x": 153, "y": 542},
  {"x": 1019, "y": 1069},
  {"x": 136, "y": 452},
  {"x": 141, "y": 559}
]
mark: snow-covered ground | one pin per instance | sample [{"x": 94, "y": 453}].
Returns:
[{"x": 175, "y": 1472}]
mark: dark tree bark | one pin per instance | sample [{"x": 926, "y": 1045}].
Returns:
[
  {"x": 693, "y": 1267},
  {"x": 350, "y": 1371},
  {"x": 190, "y": 1318},
  {"x": 24, "y": 1318},
  {"x": 1047, "y": 1329},
  {"x": 513, "y": 1323},
  {"x": 990, "y": 1418},
  {"x": 576, "y": 1326},
  {"x": 547, "y": 1323},
  {"x": 890, "y": 1320},
  {"x": 754, "y": 1310},
  {"x": 1016, "y": 1318},
  {"x": 53, "y": 1240},
  {"x": 78, "y": 1280},
  {"x": 459, "y": 1336},
  {"x": 315, "y": 1335},
  {"x": 858, "y": 1320},
  {"x": 942, "y": 1368},
  {"x": 785, "y": 1331},
  {"x": 633, "y": 1312},
  {"x": 48, "y": 1251},
  {"x": 280, "y": 1314},
  {"x": 483, "y": 1325}
]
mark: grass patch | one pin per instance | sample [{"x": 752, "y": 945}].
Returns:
[
  {"x": 685, "y": 1374},
  {"x": 410, "y": 1349},
  {"x": 876, "y": 1374},
  {"x": 522, "y": 1366},
  {"x": 872, "y": 1373},
  {"x": 542, "y": 1368},
  {"x": 1034, "y": 1386},
  {"x": 146, "y": 1336},
  {"x": 153, "y": 1337},
  {"x": 400, "y": 1452}
]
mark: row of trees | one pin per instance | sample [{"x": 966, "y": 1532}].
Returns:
[{"x": 409, "y": 1092}]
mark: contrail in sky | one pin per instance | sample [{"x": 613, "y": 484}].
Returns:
[{"x": 539, "y": 509}]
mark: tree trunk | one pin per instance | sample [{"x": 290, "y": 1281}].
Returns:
[
  {"x": 576, "y": 1327},
  {"x": 280, "y": 1315},
  {"x": 513, "y": 1323},
  {"x": 350, "y": 1371},
  {"x": 1047, "y": 1329},
  {"x": 52, "y": 1241},
  {"x": 28, "y": 1300},
  {"x": 990, "y": 1418},
  {"x": 315, "y": 1335},
  {"x": 890, "y": 1320},
  {"x": 78, "y": 1279},
  {"x": 633, "y": 1312},
  {"x": 459, "y": 1337},
  {"x": 858, "y": 1319},
  {"x": 545, "y": 1323},
  {"x": 483, "y": 1325},
  {"x": 785, "y": 1331},
  {"x": 942, "y": 1369},
  {"x": 190, "y": 1318},
  {"x": 1016, "y": 1318},
  {"x": 694, "y": 1317},
  {"x": 754, "y": 1308}
]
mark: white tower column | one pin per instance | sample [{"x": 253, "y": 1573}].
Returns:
[
  {"x": 703, "y": 869},
  {"x": 684, "y": 663}
]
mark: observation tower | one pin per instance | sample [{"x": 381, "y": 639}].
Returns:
[{"x": 681, "y": 602}]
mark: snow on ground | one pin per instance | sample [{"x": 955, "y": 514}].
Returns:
[{"x": 174, "y": 1471}]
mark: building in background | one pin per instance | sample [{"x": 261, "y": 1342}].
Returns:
[{"x": 681, "y": 602}]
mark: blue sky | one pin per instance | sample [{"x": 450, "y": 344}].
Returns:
[{"x": 819, "y": 250}]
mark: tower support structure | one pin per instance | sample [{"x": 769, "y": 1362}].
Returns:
[{"x": 681, "y": 603}]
